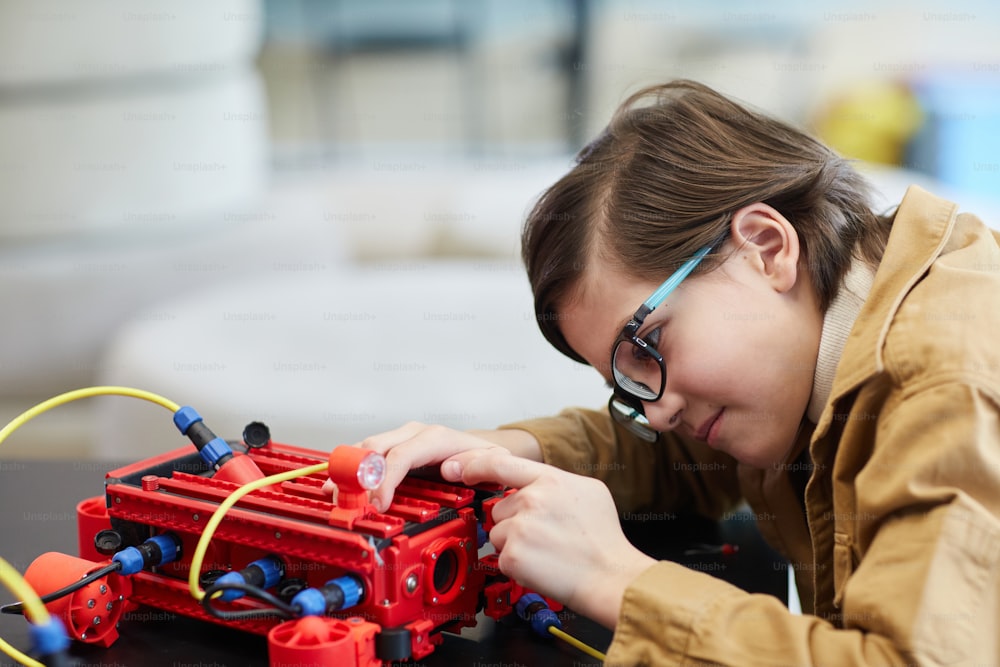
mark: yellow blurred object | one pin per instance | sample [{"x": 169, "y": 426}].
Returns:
[{"x": 871, "y": 122}]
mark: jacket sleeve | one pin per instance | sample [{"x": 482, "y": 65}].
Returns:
[
  {"x": 916, "y": 562},
  {"x": 669, "y": 475}
]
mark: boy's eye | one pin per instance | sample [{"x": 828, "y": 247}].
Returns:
[{"x": 652, "y": 338}]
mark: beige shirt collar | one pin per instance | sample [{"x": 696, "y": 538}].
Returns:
[{"x": 837, "y": 324}]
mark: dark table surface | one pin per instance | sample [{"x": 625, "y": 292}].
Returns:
[{"x": 37, "y": 514}]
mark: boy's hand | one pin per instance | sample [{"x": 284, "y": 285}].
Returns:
[
  {"x": 559, "y": 534},
  {"x": 414, "y": 445}
]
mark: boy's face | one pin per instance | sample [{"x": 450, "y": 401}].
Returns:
[{"x": 740, "y": 354}]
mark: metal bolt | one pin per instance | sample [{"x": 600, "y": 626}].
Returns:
[
  {"x": 110, "y": 606},
  {"x": 97, "y": 620},
  {"x": 118, "y": 499},
  {"x": 195, "y": 517},
  {"x": 434, "y": 599},
  {"x": 91, "y": 603},
  {"x": 364, "y": 555},
  {"x": 277, "y": 534},
  {"x": 385, "y": 603},
  {"x": 420, "y": 638},
  {"x": 434, "y": 556},
  {"x": 103, "y": 589},
  {"x": 83, "y": 636},
  {"x": 411, "y": 583},
  {"x": 461, "y": 588}
]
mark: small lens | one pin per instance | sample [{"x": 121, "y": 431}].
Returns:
[{"x": 371, "y": 471}]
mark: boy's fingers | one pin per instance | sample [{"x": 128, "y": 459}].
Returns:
[{"x": 502, "y": 468}]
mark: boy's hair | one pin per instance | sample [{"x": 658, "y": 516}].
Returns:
[{"x": 663, "y": 180}]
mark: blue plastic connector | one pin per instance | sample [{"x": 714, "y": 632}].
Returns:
[
  {"x": 215, "y": 450},
  {"x": 170, "y": 547},
  {"x": 49, "y": 638},
  {"x": 185, "y": 417},
  {"x": 131, "y": 560},
  {"x": 351, "y": 588},
  {"x": 340, "y": 593},
  {"x": 135, "y": 559},
  {"x": 482, "y": 537},
  {"x": 533, "y": 608},
  {"x": 310, "y": 602},
  {"x": 262, "y": 573}
]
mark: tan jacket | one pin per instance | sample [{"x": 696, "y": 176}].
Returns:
[{"x": 896, "y": 544}]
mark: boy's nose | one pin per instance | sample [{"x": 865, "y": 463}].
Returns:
[{"x": 665, "y": 414}]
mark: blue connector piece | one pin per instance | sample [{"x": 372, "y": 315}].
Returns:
[
  {"x": 214, "y": 450},
  {"x": 310, "y": 602},
  {"x": 49, "y": 638},
  {"x": 157, "y": 550},
  {"x": 351, "y": 587},
  {"x": 533, "y": 608},
  {"x": 185, "y": 417},
  {"x": 263, "y": 573},
  {"x": 340, "y": 593},
  {"x": 170, "y": 547},
  {"x": 131, "y": 560},
  {"x": 482, "y": 537}
]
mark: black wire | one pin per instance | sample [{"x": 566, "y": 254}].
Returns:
[
  {"x": 18, "y": 607},
  {"x": 281, "y": 608}
]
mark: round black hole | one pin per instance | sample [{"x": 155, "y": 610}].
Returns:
[
  {"x": 445, "y": 571},
  {"x": 256, "y": 434}
]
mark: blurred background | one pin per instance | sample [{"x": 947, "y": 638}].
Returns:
[{"x": 307, "y": 212}]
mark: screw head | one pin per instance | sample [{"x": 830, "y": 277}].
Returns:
[{"x": 411, "y": 583}]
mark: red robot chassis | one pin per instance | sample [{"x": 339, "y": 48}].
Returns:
[{"x": 419, "y": 563}]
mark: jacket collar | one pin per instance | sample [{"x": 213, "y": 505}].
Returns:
[{"x": 920, "y": 229}]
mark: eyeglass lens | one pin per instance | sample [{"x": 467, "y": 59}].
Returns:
[{"x": 637, "y": 370}]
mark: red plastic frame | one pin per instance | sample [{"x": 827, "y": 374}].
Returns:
[{"x": 419, "y": 560}]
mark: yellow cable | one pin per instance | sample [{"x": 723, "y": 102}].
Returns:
[
  {"x": 33, "y": 607},
  {"x": 573, "y": 641},
  {"x": 206, "y": 536},
  {"x": 62, "y": 399},
  {"x": 18, "y": 656},
  {"x": 15, "y": 583},
  {"x": 11, "y": 578}
]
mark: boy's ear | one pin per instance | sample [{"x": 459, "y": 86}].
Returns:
[{"x": 764, "y": 238}]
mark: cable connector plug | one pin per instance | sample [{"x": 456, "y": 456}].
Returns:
[
  {"x": 157, "y": 550},
  {"x": 50, "y": 641},
  {"x": 215, "y": 451},
  {"x": 340, "y": 593},
  {"x": 533, "y": 608},
  {"x": 263, "y": 573}
]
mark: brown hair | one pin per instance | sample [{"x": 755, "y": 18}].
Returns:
[{"x": 663, "y": 180}]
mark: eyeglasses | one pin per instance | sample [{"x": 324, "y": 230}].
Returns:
[{"x": 637, "y": 368}]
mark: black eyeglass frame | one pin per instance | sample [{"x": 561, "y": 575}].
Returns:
[{"x": 628, "y": 335}]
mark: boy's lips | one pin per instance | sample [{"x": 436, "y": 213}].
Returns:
[{"x": 706, "y": 427}]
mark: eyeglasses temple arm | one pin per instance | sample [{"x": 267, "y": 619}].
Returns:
[{"x": 666, "y": 288}]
